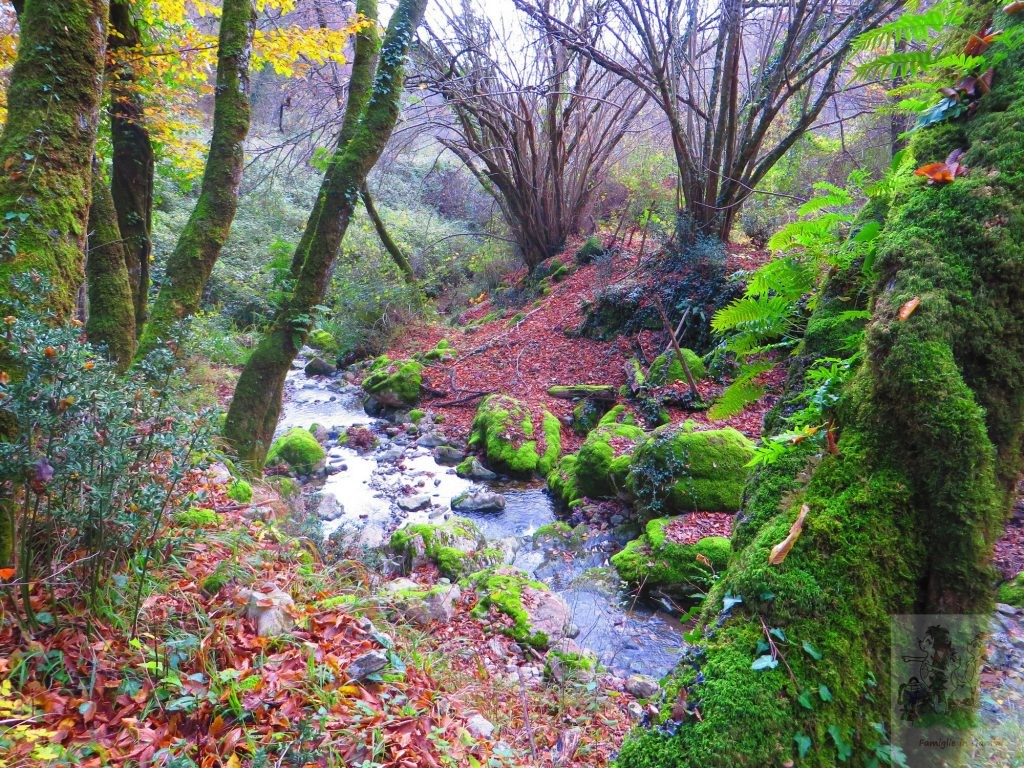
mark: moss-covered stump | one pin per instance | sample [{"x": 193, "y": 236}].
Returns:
[
  {"x": 539, "y": 617},
  {"x": 903, "y": 518},
  {"x": 298, "y": 449},
  {"x": 654, "y": 562},
  {"x": 679, "y": 469},
  {"x": 394, "y": 384},
  {"x": 456, "y": 546},
  {"x": 506, "y": 432},
  {"x": 666, "y": 368},
  {"x": 1012, "y": 591}
]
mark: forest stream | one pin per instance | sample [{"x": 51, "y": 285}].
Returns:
[{"x": 359, "y": 504}]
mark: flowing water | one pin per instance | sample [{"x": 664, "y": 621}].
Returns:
[{"x": 626, "y": 636}]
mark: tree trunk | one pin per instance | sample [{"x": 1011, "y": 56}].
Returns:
[
  {"x": 47, "y": 145},
  {"x": 256, "y": 405},
  {"x": 132, "y": 164},
  {"x": 903, "y": 519},
  {"x": 200, "y": 243},
  {"x": 385, "y": 238},
  {"x": 111, "y": 319}
]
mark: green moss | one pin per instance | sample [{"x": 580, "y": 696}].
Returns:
[
  {"x": 457, "y": 546},
  {"x": 1012, "y": 592},
  {"x": 502, "y": 589},
  {"x": 562, "y": 479},
  {"x": 442, "y": 352},
  {"x": 395, "y": 384},
  {"x": 323, "y": 340},
  {"x": 666, "y": 368},
  {"x": 678, "y": 469},
  {"x": 197, "y": 517},
  {"x": 653, "y": 562},
  {"x": 578, "y": 665},
  {"x": 286, "y": 487},
  {"x": 617, "y": 415},
  {"x": 604, "y": 458},
  {"x": 556, "y": 530},
  {"x": 586, "y": 415},
  {"x": 504, "y": 430},
  {"x": 416, "y": 415},
  {"x": 337, "y": 601},
  {"x": 240, "y": 491},
  {"x": 590, "y": 250},
  {"x": 298, "y": 449}
]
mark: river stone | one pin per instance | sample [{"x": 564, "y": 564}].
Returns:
[
  {"x": 479, "y": 727},
  {"x": 366, "y": 665},
  {"x": 398, "y": 585},
  {"x": 431, "y": 440},
  {"x": 319, "y": 367},
  {"x": 642, "y": 686},
  {"x": 447, "y": 455},
  {"x": 479, "y": 501},
  {"x": 269, "y": 610},
  {"x": 436, "y": 605},
  {"x": 392, "y": 455},
  {"x": 546, "y": 612},
  {"x": 476, "y": 471},
  {"x": 327, "y": 506},
  {"x": 412, "y": 503}
]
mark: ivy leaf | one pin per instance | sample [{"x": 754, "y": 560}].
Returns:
[
  {"x": 812, "y": 651},
  {"x": 764, "y": 662},
  {"x": 824, "y": 692},
  {"x": 842, "y": 745},
  {"x": 778, "y": 634},
  {"x": 729, "y": 601},
  {"x": 805, "y": 700},
  {"x": 803, "y": 744}
]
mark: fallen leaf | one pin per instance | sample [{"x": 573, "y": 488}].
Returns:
[
  {"x": 980, "y": 41},
  {"x": 908, "y": 308},
  {"x": 6, "y": 573},
  {"x": 780, "y": 550},
  {"x": 1015, "y": 7}
]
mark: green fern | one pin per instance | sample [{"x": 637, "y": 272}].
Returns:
[
  {"x": 912, "y": 27},
  {"x": 741, "y": 393}
]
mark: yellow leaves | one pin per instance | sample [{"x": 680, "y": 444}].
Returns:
[
  {"x": 291, "y": 51},
  {"x": 780, "y": 550}
]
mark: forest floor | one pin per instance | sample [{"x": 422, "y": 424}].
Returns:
[{"x": 197, "y": 686}]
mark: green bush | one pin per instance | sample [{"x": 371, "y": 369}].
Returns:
[{"x": 93, "y": 459}]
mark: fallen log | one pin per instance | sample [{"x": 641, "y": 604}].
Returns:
[{"x": 592, "y": 391}]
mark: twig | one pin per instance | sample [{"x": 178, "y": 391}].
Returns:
[
  {"x": 776, "y": 653},
  {"x": 463, "y": 400},
  {"x": 526, "y": 714},
  {"x": 675, "y": 345}
]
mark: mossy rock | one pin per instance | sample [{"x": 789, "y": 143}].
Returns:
[
  {"x": 591, "y": 249},
  {"x": 1012, "y": 592},
  {"x": 679, "y": 469},
  {"x": 603, "y": 461},
  {"x": 240, "y": 491},
  {"x": 587, "y": 414},
  {"x": 416, "y": 415},
  {"x": 666, "y": 368},
  {"x": 394, "y": 384},
  {"x": 323, "y": 340},
  {"x": 443, "y": 352},
  {"x": 654, "y": 562},
  {"x": 503, "y": 588},
  {"x": 456, "y": 546},
  {"x": 298, "y": 449},
  {"x": 504, "y": 430},
  {"x": 198, "y": 517},
  {"x": 562, "y": 480}
]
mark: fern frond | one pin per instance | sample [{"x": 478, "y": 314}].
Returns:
[
  {"x": 764, "y": 314},
  {"x": 734, "y": 399},
  {"x": 910, "y": 27}
]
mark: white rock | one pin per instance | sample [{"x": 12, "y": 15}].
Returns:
[{"x": 479, "y": 727}]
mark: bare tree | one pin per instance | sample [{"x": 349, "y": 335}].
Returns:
[
  {"x": 533, "y": 119},
  {"x": 739, "y": 81}
]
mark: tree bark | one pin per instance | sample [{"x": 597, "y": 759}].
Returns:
[
  {"x": 132, "y": 163},
  {"x": 902, "y": 520},
  {"x": 111, "y": 318},
  {"x": 256, "y": 405},
  {"x": 47, "y": 145},
  {"x": 385, "y": 238},
  {"x": 200, "y": 243}
]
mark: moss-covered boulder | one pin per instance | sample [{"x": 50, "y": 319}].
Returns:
[
  {"x": 679, "y": 469},
  {"x": 600, "y": 468},
  {"x": 323, "y": 340},
  {"x": 394, "y": 384},
  {"x": 539, "y": 617},
  {"x": 512, "y": 441},
  {"x": 298, "y": 449},
  {"x": 456, "y": 546},
  {"x": 562, "y": 481},
  {"x": 654, "y": 561},
  {"x": 1012, "y": 592},
  {"x": 666, "y": 368},
  {"x": 443, "y": 352}
]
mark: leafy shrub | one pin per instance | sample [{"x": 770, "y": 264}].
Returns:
[{"x": 93, "y": 459}]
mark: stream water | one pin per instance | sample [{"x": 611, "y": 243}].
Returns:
[{"x": 359, "y": 501}]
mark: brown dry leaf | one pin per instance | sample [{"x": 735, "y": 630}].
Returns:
[
  {"x": 1015, "y": 7},
  {"x": 908, "y": 308},
  {"x": 780, "y": 550}
]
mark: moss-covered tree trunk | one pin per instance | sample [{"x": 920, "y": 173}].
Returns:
[
  {"x": 47, "y": 145},
  {"x": 256, "y": 404},
  {"x": 111, "y": 319},
  {"x": 132, "y": 163},
  {"x": 200, "y": 243},
  {"x": 903, "y": 519},
  {"x": 385, "y": 237}
]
